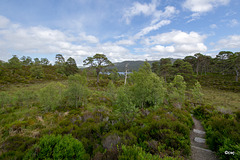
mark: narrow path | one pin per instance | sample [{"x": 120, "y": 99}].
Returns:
[{"x": 199, "y": 148}]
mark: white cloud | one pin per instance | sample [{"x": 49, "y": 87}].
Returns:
[
  {"x": 88, "y": 38},
  {"x": 176, "y": 36},
  {"x": 149, "y": 9},
  {"x": 162, "y": 49},
  {"x": 233, "y": 23},
  {"x": 169, "y": 12},
  {"x": 4, "y": 22},
  {"x": 232, "y": 41},
  {"x": 176, "y": 43},
  {"x": 213, "y": 26},
  {"x": 127, "y": 42},
  {"x": 42, "y": 40},
  {"x": 138, "y": 9},
  {"x": 202, "y": 6},
  {"x": 150, "y": 28}
]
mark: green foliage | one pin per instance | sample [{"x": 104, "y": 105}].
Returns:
[
  {"x": 203, "y": 112},
  {"x": 218, "y": 81},
  {"x": 99, "y": 62},
  {"x": 6, "y": 99},
  {"x": 197, "y": 93},
  {"x": 147, "y": 89},
  {"x": 77, "y": 92},
  {"x": 185, "y": 70},
  {"x": 111, "y": 91},
  {"x": 25, "y": 97},
  {"x": 135, "y": 153},
  {"x": 50, "y": 97},
  {"x": 71, "y": 66},
  {"x": 26, "y": 60},
  {"x": 15, "y": 146},
  {"x": 232, "y": 149},
  {"x": 176, "y": 91},
  {"x": 37, "y": 71},
  {"x": 14, "y": 63},
  {"x": 114, "y": 75},
  {"x": 222, "y": 131},
  {"x": 125, "y": 109},
  {"x": 166, "y": 70},
  {"x": 57, "y": 147}
]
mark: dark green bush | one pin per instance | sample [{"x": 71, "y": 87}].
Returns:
[
  {"x": 136, "y": 153},
  {"x": 230, "y": 147},
  {"x": 164, "y": 128},
  {"x": 15, "y": 146},
  {"x": 223, "y": 134},
  {"x": 57, "y": 147},
  {"x": 203, "y": 112}
]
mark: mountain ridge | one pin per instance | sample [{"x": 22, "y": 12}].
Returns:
[{"x": 132, "y": 65}]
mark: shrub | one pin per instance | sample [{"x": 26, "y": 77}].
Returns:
[
  {"x": 176, "y": 91},
  {"x": 203, "y": 112},
  {"x": 197, "y": 93},
  {"x": 77, "y": 91},
  {"x": 57, "y": 147},
  {"x": 111, "y": 140},
  {"x": 136, "y": 153},
  {"x": 15, "y": 146},
  {"x": 229, "y": 146},
  {"x": 148, "y": 89},
  {"x": 50, "y": 96},
  {"x": 111, "y": 91},
  {"x": 223, "y": 134},
  {"x": 24, "y": 97},
  {"x": 125, "y": 109}
]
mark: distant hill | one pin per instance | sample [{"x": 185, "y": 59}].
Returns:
[{"x": 132, "y": 65}]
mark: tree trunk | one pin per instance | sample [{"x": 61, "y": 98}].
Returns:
[
  {"x": 97, "y": 77},
  {"x": 125, "y": 81},
  {"x": 237, "y": 74},
  {"x": 197, "y": 68},
  {"x": 98, "y": 72}
]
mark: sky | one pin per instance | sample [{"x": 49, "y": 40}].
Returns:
[{"x": 120, "y": 29}]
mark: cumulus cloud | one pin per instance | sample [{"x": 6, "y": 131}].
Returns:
[
  {"x": 199, "y": 7},
  {"x": 175, "y": 36},
  {"x": 3, "y": 22},
  {"x": 232, "y": 41},
  {"x": 202, "y": 6},
  {"x": 138, "y": 9},
  {"x": 162, "y": 49},
  {"x": 176, "y": 42},
  {"x": 88, "y": 38},
  {"x": 149, "y": 9},
  {"x": 43, "y": 40}
]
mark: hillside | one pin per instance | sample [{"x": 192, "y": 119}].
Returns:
[{"x": 132, "y": 65}]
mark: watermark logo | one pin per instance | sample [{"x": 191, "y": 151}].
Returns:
[{"x": 229, "y": 152}]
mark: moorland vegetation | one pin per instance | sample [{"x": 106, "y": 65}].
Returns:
[{"x": 62, "y": 112}]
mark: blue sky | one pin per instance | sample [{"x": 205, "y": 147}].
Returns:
[{"x": 120, "y": 29}]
